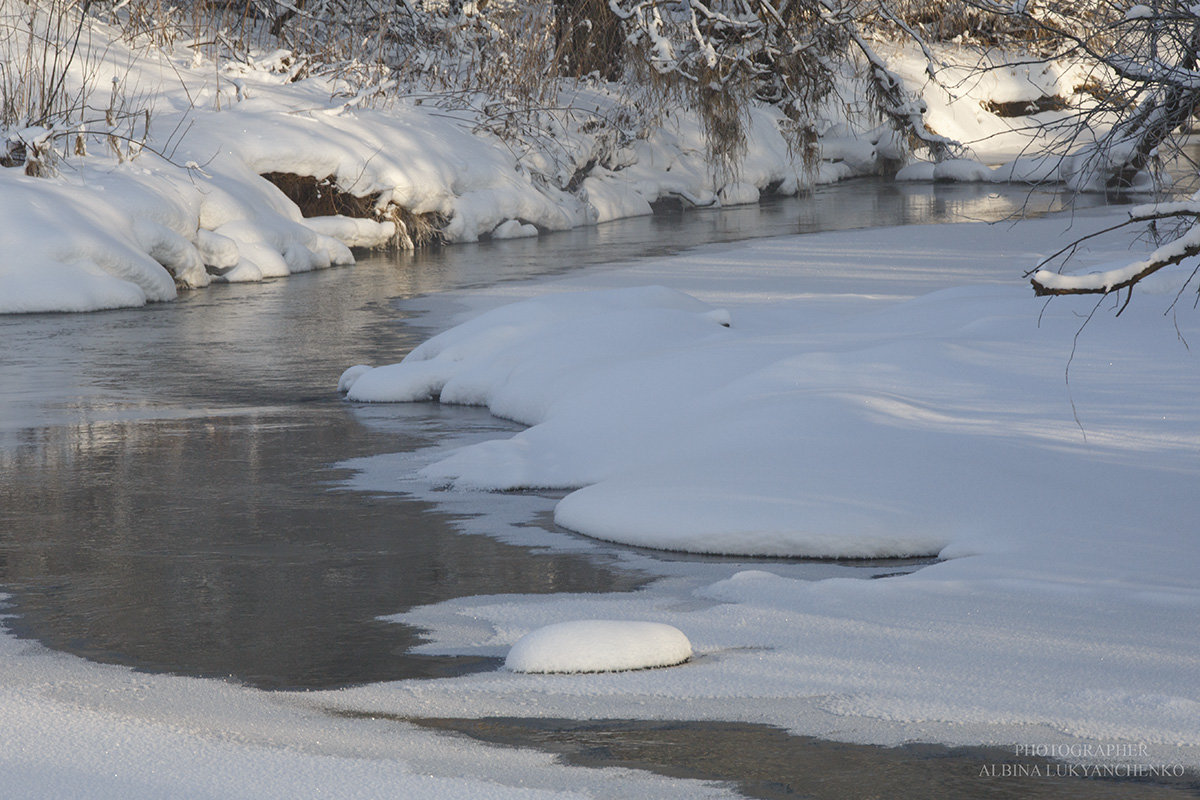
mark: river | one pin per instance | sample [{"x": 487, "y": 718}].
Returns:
[{"x": 169, "y": 495}]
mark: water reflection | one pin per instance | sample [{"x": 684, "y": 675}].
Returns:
[
  {"x": 206, "y": 546},
  {"x": 861, "y": 203}
]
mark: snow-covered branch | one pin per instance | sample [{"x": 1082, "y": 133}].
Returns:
[
  {"x": 1047, "y": 282},
  {"x": 788, "y": 53},
  {"x": 904, "y": 110}
]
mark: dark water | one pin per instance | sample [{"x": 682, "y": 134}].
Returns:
[
  {"x": 165, "y": 480},
  {"x": 765, "y": 762},
  {"x": 170, "y": 507}
]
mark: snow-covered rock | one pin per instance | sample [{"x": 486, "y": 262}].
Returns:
[
  {"x": 599, "y": 646},
  {"x": 514, "y": 229}
]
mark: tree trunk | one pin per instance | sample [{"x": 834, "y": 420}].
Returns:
[{"x": 1158, "y": 117}]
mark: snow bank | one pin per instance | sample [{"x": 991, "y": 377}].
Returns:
[
  {"x": 954, "y": 170},
  {"x": 64, "y": 255},
  {"x": 855, "y": 405},
  {"x": 152, "y": 224},
  {"x": 963, "y": 104},
  {"x": 111, "y": 235},
  {"x": 192, "y": 207},
  {"x": 472, "y": 364},
  {"x": 695, "y": 436},
  {"x": 599, "y": 645},
  {"x": 672, "y": 162}
]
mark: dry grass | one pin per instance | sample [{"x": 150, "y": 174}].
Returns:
[
  {"x": 1022, "y": 108},
  {"x": 321, "y": 197},
  {"x": 40, "y": 44}
]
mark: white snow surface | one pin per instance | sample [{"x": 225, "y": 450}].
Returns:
[
  {"x": 998, "y": 149},
  {"x": 877, "y": 393},
  {"x": 79, "y": 730},
  {"x": 599, "y": 645},
  {"x": 79, "y": 258}
]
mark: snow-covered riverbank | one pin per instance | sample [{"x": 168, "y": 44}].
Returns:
[
  {"x": 72, "y": 729},
  {"x": 179, "y": 201},
  {"x": 188, "y": 205}
]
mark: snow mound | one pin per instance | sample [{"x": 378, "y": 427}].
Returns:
[
  {"x": 599, "y": 645},
  {"x": 352, "y": 231},
  {"x": 503, "y": 358},
  {"x": 857, "y": 401},
  {"x": 65, "y": 255},
  {"x": 771, "y": 516},
  {"x": 351, "y": 375},
  {"x": 955, "y": 170},
  {"x": 513, "y": 229}
]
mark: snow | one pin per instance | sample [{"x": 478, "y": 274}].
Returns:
[
  {"x": 877, "y": 393},
  {"x": 862, "y": 394},
  {"x": 959, "y": 170},
  {"x": 514, "y": 229},
  {"x": 351, "y": 375},
  {"x": 352, "y": 231},
  {"x": 86, "y": 256},
  {"x": 73, "y": 729},
  {"x": 599, "y": 645},
  {"x": 957, "y": 107},
  {"x": 189, "y": 206},
  {"x": 738, "y": 440}
]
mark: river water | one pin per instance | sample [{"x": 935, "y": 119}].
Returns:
[
  {"x": 166, "y": 472},
  {"x": 169, "y": 497}
]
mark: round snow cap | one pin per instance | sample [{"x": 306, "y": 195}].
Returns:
[
  {"x": 351, "y": 375},
  {"x": 599, "y": 645}
]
